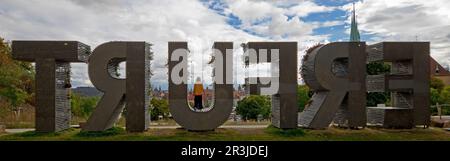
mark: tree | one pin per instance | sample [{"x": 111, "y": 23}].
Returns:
[
  {"x": 442, "y": 97},
  {"x": 445, "y": 95},
  {"x": 160, "y": 107},
  {"x": 303, "y": 96},
  {"x": 437, "y": 91},
  {"x": 434, "y": 96},
  {"x": 375, "y": 68},
  {"x": 254, "y": 105},
  {"x": 83, "y": 106},
  {"x": 374, "y": 98},
  {"x": 436, "y": 84},
  {"x": 16, "y": 80}
]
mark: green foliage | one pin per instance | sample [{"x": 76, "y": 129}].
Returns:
[
  {"x": 445, "y": 95},
  {"x": 116, "y": 70},
  {"x": 439, "y": 93},
  {"x": 16, "y": 96},
  {"x": 83, "y": 106},
  {"x": 375, "y": 68},
  {"x": 16, "y": 79},
  {"x": 374, "y": 98},
  {"x": 159, "y": 107},
  {"x": 436, "y": 84},
  {"x": 252, "y": 106},
  {"x": 303, "y": 96},
  {"x": 434, "y": 96},
  {"x": 442, "y": 97}
]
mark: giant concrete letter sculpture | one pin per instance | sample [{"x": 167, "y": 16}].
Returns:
[
  {"x": 408, "y": 82},
  {"x": 52, "y": 59},
  {"x": 223, "y": 103},
  {"x": 131, "y": 92},
  {"x": 284, "y": 101},
  {"x": 332, "y": 71}
]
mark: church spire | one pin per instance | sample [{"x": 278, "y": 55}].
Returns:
[{"x": 354, "y": 33}]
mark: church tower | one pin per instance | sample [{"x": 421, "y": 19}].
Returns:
[{"x": 354, "y": 33}]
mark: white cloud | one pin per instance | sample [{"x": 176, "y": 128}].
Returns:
[
  {"x": 157, "y": 22},
  {"x": 276, "y": 19},
  {"x": 93, "y": 23},
  {"x": 281, "y": 20},
  {"x": 251, "y": 11},
  {"x": 331, "y": 23},
  {"x": 307, "y": 7},
  {"x": 407, "y": 20}
]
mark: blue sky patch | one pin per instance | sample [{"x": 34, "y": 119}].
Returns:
[{"x": 336, "y": 33}]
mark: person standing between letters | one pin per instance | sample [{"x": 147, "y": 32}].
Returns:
[{"x": 198, "y": 93}]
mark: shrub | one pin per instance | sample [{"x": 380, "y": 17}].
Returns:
[
  {"x": 254, "y": 105},
  {"x": 159, "y": 107},
  {"x": 83, "y": 106},
  {"x": 303, "y": 96}
]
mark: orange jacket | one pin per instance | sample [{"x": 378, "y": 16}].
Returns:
[{"x": 198, "y": 89}]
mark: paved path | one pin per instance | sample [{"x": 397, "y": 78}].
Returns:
[
  {"x": 17, "y": 130},
  {"x": 441, "y": 118},
  {"x": 13, "y": 131}
]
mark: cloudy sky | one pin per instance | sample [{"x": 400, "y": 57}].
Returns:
[{"x": 200, "y": 23}]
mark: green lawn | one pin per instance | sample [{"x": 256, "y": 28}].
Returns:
[{"x": 267, "y": 134}]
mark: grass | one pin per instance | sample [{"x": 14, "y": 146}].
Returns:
[
  {"x": 264, "y": 134},
  {"x": 284, "y": 133},
  {"x": 33, "y": 134}
]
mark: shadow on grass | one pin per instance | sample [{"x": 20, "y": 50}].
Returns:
[
  {"x": 284, "y": 132},
  {"x": 185, "y": 132},
  {"x": 110, "y": 132}
]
